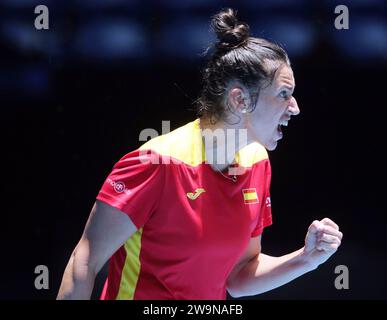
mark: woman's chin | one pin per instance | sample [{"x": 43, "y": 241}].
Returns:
[{"x": 272, "y": 145}]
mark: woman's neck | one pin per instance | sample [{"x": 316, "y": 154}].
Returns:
[{"x": 222, "y": 141}]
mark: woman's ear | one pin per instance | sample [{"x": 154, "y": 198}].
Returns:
[{"x": 239, "y": 99}]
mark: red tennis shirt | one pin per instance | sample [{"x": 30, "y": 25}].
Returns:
[{"x": 193, "y": 223}]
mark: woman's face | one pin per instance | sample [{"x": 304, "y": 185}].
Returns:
[{"x": 274, "y": 108}]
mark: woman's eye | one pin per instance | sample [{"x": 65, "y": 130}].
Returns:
[{"x": 283, "y": 94}]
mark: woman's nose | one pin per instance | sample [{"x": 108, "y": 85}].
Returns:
[{"x": 293, "y": 107}]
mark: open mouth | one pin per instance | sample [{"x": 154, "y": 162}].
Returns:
[{"x": 283, "y": 123}]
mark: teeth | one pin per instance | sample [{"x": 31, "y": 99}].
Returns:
[{"x": 284, "y": 123}]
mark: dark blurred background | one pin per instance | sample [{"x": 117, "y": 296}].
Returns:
[{"x": 74, "y": 99}]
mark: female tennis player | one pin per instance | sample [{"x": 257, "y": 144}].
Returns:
[{"x": 182, "y": 216}]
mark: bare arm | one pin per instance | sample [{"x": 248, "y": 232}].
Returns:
[
  {"x": 105, "y": 232},
  {"x": 262, "y": 273}
]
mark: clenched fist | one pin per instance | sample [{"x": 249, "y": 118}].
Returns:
[{"x": 321, "y": 241}]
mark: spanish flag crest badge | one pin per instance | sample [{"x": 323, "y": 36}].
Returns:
[{"x": 250, "y": 196}]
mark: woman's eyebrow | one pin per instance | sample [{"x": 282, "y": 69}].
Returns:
[{"x": 289, "y": 87}]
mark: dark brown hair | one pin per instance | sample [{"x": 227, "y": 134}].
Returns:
[{"x": 236, "y": 56}]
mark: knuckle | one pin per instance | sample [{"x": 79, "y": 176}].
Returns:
[{"x": 313, "y": 225}]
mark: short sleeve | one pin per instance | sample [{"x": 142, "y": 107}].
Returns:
[
  {"x": 265, "y": 217},
  {"x": 134, "y": 186}
]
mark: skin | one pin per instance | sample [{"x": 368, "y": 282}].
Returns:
[
  {"x": 93, "y": 250},
  {"x": 275, "y": 104},
  {"x": 255, "y": 272}
]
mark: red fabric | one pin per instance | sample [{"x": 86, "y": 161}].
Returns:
[{"x": 188, "y": 247}]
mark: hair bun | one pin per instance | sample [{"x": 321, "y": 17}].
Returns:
[{"x": 230, "y": 32}]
